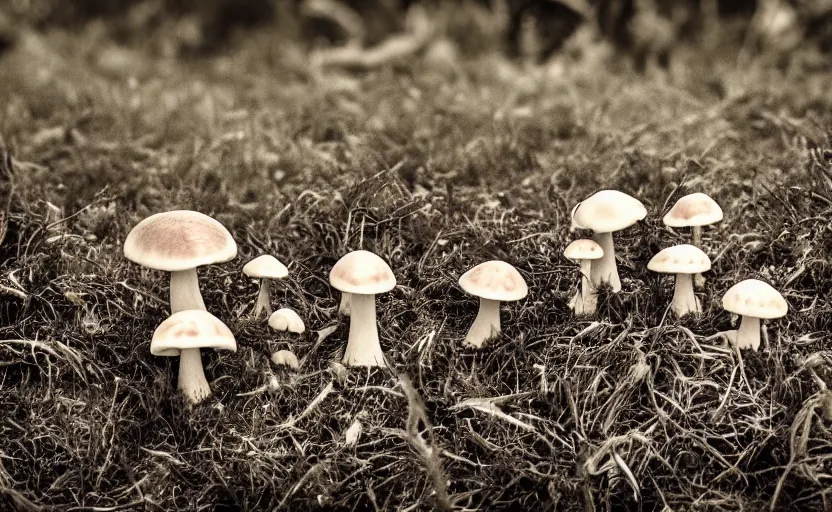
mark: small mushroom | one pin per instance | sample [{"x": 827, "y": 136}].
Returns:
[
  {"x": 178, "y": 242},
  {"x": 604, "y": 212},
  {"x": 753, "y": 300},
  {"x": 265, "y": 268},
  {"x": 493, "y": 282},
  {"x": 683, "y": 260},
  {"x": 286, "y": 319},
  {"x": 362, "y": 274},
  {"x": 694, "y": 211},
  {"x": 286, "y": 358},
  {"x": 183, "y": 334},
  {"x": 584, "y": 252}
]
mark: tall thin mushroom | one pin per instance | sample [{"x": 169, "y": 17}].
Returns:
[
  {"x": 605, "y": 212},
  {"x": 265, "y": 268},
  {"x": 363, "y": 275},
  {"x": 584, "y": 252}
]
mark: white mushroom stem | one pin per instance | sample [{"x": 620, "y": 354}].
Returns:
[
  {"x": 263, "y": 299},
  {"x": 363, "y": 347},
  {"x": 588, "y": 295},
  {"x": 192, "y": 381},
  {"x": 748, "y": 335},
  {"x": 184, "y": 295},
  {"x": 486, "y": 325},
  {"x": 605, "y": 269},
  {"x": 684, "y": 300},
  {"x": 184, "y": 291},
  {"x": 699, "y": 279},
  {"x": 344, "y": 306}
]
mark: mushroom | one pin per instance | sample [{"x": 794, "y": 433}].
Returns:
[
  {"x": 344, "y": 305},
  {"x": 178, "y": 242},
  {"x": 183, "y": 334},
  {"x": 362, "y": 274},
  {"x": 285, "y": 319},
  {"x": 265, "y": 268},
  {"x": 752, "y": 299},
  {"x": 683, "y": 260},
  {"x": 493, "y": 281},
  {"x": 583, "y": 252},
  {"x": 694, "y": 211},
  {"x": 604, "y": 212},
  {"x": 286, "y": 358}
]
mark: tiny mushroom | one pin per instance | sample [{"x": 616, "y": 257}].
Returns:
[
  {"x": 286, "y": 358},
  {"x": 683, "y": 260},
  {"x": 265, "y": 268},
  {"x": 752, "y": 300},
  {"x": 183, "y": 334},
  {"x": 583, "y": 252},
  {"x": 604, "y": 212},
  {"x": 286, "y": 319},
  {"x": 362, "y": 274},
  {"x": 178, "y": 242},
  {"x": 694, "y": 211},
  {"x": 493, "y": 282}
]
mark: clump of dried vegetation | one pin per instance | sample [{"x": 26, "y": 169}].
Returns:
[{"x": 435, "y": 170}]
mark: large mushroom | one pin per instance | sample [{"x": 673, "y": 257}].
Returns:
[
  {"x": 362, "y": 275},
  {"x": 493, "y": 282},
  {"x": 753, "y": 300},
  {"x": 694, "y": 211},
  {"x": 584, "y": 252},
  {"x": 183, "y": 334},
  {"x": 265, "y": 268},
  {"x": 604, "y": 212},
  {"x": 178, "y": 242},
  {"x": 683, "y": 260}
]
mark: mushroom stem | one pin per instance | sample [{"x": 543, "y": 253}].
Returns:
[
  {"x": 184, "y": 291},
  {"x": 684, "y": 300},
  {"x": 263, "y": 299},
  {"x": 605, "y": 269},
  {"x": 590, "y": 298},
  {"x": 748, "y": 335},
  {"x": 192, "y": 381},
  {"x": 344, "y": 306},
  {"x": 363, "y": 347},
  {"x": 486, "y": 325},
  {"x": 699, "y": 279}
]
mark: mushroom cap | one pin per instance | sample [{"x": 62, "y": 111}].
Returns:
[
  {"x": 494, "y": 280},
  {"x": 193, "y": 328},
  {"x": 680, "y": 259},
  {"x": 583, "y": 249},
  {"x": 695, "y": 209},
  {"x": 362, "y": 272},
  {"x": 755, "y": 298},
  {"x": 265, "y": 266},
  {"x": 179, "y": 240},
  {"x": 286, "y": 319},
  {"x": 608, "y": 210}
]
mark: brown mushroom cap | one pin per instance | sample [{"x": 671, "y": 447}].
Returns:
[
  {"x": 179, "y": 240},
  {"x": 265, "y": 266},
  {"x": 695, "y": 209},
  {"x": 583, "y": 250},
  {"x": 608, "y": 210},
  {"x": 494, "y": 280},
  {"x": 680, "y": 259},
  {"x": 191, "y": 329},
  {"x": 756, "y": 299},
  {"x": 362, "y": 272}
]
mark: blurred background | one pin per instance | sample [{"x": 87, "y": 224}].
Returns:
[{"x": 367, "y": 33}]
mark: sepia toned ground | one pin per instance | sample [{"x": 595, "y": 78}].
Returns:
[{"x": 436, "y": 164}]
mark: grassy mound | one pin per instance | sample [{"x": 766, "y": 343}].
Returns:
[{"x": 435, "y": 170}]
